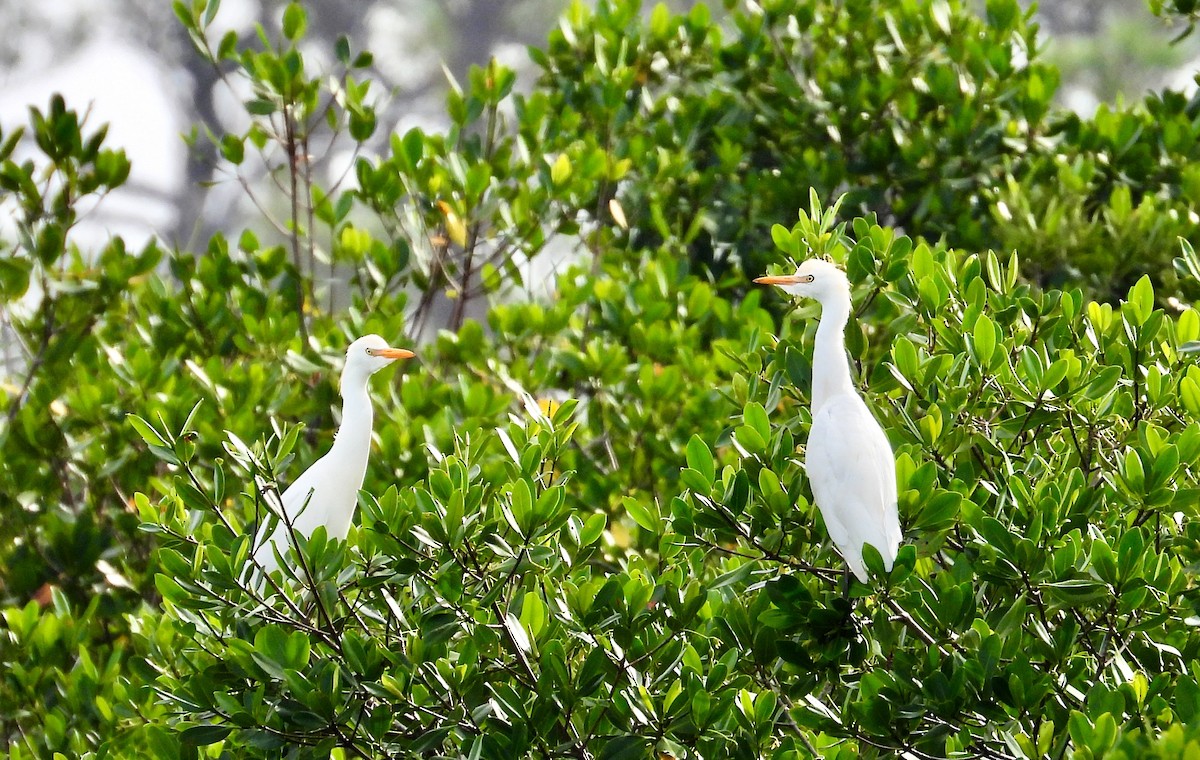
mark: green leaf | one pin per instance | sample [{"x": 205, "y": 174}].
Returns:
[
  {"x": 1080, "y": 729},
  {"x": 341, "y": 49},
  {"x": 1103, "y": 383},
  {"x": 413, "y": 147},
  {"x": 260, "y": 107},
  {"x": 522, "y": 506},
  {"x": 233, "y": 149},
  {"x": 184, "y": 14},
  {"x": 1163, "y": 468},
  {"x": 1103, "y": 560},
  {"x": 170, "y": 590},
  {"x": 210, "y": 11},
  {"x": 768, "y": 483},
  {"x": 518, "y": 633},
  {"x": 626, "y": 747},
  {"x": 362, "y": 123},
  {"x": 700, "y": 459},
  {"x": 737, "y": 575},
  {"x": 200, "y": 736},
  {"x": 269, "y": 645},
  {"x": 1054, "y": 375},
  {"x": 750, "y": 439},
  {"x": 641, "y": 514},
  {"x": 992, "y": 268},
  {"x": 1104, "y": 734},
  {"x": 782, "y": 237},
  {"x": 1078, "y": 591},
  {"x": 1141, "y": 299},
  {"x": 14, "y": 279},
  {"x": 438, "y": 627},
  {"x": 904, "y": 356},
  {"x": 1133, "y": 472},
  {"x": 985, "y": 341},
  {"x": 1130, "y": 552},
  {"x": 765, "y": 705},
  {"x": 939, "y": 512},
  {"x": 294, "y": 21},
  {"x": 1002, "y": 13},
  {"x": 592, "y": 529},
  {"x": 430, "y": 740},
  {"x": 147, "y": 431},
  {"x": 1189, "y": 393},
  {"x": 756, "y": 417},
  {"x": 533, "y": 614}
]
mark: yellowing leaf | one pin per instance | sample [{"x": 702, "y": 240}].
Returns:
[
  {"x": 619, "y": 535},
  {"x": 560, "y": 170},
  {"x": 455, "y": 227},
  {"x": 354, "y": 240}
]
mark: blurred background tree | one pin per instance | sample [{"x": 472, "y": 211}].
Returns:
[
  {"x": 1103, "y": 48},
  {"x": 1110, "y": 50}
]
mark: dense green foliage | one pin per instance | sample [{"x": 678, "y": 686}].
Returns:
[
  {"x": 938, "y": 121},
  {"x": 585, "y": 530}
]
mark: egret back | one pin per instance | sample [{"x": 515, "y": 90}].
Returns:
[
  {"x": 853, "y": 475},
  {"x": 324, "y": 494}
]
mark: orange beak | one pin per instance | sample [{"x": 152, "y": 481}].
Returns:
[
  {"x": 780, "y": 279},
  {"x": 394, "y": 353}
]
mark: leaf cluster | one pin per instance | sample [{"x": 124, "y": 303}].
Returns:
[{"x": 586, "y": 529}]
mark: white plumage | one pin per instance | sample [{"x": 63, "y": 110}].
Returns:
[
  {"x": 849, "y": 460},
  {"x": 327, "y": 492}
]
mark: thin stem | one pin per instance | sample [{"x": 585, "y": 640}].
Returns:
[{"x": 292, "y": 148}]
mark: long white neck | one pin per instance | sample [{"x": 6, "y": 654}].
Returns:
[
  {"x": 352, "y": 445},
  {"x": 831, "y": 369}
]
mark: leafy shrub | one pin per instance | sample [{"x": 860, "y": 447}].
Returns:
[
  {"x": 1044, "y": 447},
  {"x": 586, "y": 528},
  {"x": 56, "y": 436},
  {"x": 1043, "y": 453},
  {"x": 1108, "y": 203},
  {"x": 938, "y": 121},
  {"x": 915, "y": 109}
]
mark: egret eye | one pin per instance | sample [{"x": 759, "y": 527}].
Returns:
[
  {"x": 808, "y": 278},
  {"x": 370, "y": 352}
]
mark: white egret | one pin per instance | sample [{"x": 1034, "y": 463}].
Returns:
[
  {"x": 849, "y": 460},
  {"x": 327, "y": 492}
]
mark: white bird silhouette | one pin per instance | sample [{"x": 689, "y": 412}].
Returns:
[
  {"x": 849, "y": 460},
  {"x": 327, "y": 492}
]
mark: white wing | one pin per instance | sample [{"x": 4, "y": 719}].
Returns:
[
  {"x": 853, "y": 475},
  {"x": 303, "y": 504}
]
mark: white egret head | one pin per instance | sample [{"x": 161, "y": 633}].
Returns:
[
  {"x": 368, "y": 355},
  {"x": 816, "y": 278}
]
